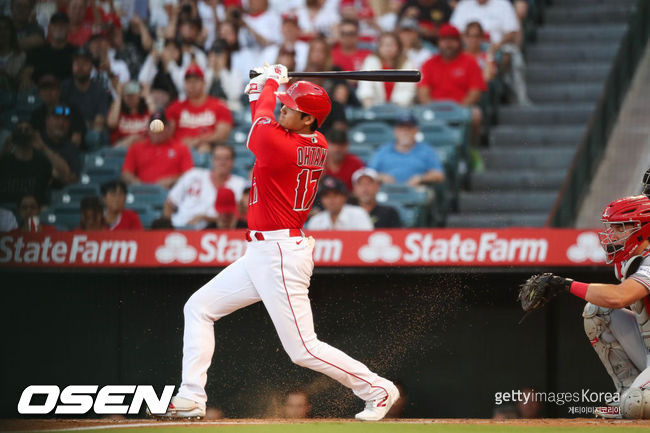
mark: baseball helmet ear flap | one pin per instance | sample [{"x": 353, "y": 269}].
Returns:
[{"x": 627, "y": 225}]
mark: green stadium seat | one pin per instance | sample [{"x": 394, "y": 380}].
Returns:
[
  {"x": 438, "y": 132},
  {"x": 448, "y": 111},
  {"x": 99, "y": 175},
  {"x": 202, "y": 160},
  {"x": 238, "y": 135},
  {"x": 99, "y": 160},
  {"x": 146, "y": 213},
  {"x": 363, "y": 151},
  {"x": 71, "y": 195},
  {"x": 150, "y": 196},
  {"x": 113, "y": 151},
  {"x": 63, "y": 218},
  {"x": 371, "y": 132}
]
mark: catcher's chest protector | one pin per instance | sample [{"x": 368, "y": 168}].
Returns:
[{"x": 642, "y": 306}]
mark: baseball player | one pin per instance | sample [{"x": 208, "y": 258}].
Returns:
[
  {"x": 278, "y": 263},
  {"x": 620, "y": 336}
]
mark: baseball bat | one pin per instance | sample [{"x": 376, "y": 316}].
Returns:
[{"x": 397, "y": 75}]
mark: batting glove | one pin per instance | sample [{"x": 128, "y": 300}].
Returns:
[
  {"x": 255, "y": 85},
  {"x": 278, "y": 73}
]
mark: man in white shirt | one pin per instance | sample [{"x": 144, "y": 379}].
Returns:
[
  {"x": 338, "y": 215},
  {"x": 499, "y": 19},
  {"x": 191, "y": 201}
]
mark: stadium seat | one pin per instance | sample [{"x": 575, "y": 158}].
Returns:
[
  {"x": 448, "y": 111},
  {"x": 102, "y": 160},
  {"x": 363, "y": 151},
  {"x": 238, "y": 135},
  {"x": 371, "y": 132},
  {"x": 402, "y": 194},
  {"x": 63, "y": 218},
  {"x": 244, "y": 158},
  {"x": 152, "y": 196},
  {"x": 71, "y": 195},
  {"x": 439, "y": 133},
  {"x": 146, "y": 213},
  {"x": 113, "y": 152},
  {"x": 201, "y": 160},
  {"x": 99, "y": 175},
  {"x": 385, "y": 112}
]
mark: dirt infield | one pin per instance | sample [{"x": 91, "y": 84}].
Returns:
[{"x": 24, "y": 425}]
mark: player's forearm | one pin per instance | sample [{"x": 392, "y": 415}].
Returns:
[{"x": 265, "y": 105}]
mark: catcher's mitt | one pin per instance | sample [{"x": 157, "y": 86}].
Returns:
[{"x": 539, "y": 289}]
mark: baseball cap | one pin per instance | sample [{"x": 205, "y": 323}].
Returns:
[
  {"x": 406, "y": 119},
  {"x": 365, "y": 171},
  {"x": 448, "y": 31},
  {"x": 194, "y": 71},
  {"x": 408, "y": 24},
  {"x": 132, "y": 87},
  {"x": 329, "y": 183},
  {"x": 225, "y": 202},
  {"x": 59, "y": 18}
]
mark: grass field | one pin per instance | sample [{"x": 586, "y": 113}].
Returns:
[{"x": 327, "y": 426}]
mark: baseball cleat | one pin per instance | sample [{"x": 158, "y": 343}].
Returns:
[
  {"x": 377, "y": 409},
  {"x": 180, "y": 407}
]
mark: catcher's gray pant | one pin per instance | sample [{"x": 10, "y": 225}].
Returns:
[{"x": 616, "y": 338}]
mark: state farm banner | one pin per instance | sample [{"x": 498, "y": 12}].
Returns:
[{"x": 406, "y": 247}]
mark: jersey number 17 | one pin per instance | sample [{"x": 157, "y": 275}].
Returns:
[{"x": 306, "y": 189}]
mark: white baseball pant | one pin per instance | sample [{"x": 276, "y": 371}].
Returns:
[{"x": 276, "y": 271}]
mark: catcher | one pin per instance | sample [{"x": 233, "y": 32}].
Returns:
[{"x": 620, "y": 336}]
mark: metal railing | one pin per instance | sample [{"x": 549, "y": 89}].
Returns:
[{"x": 589, "y": 152}]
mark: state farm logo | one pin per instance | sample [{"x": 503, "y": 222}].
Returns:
[
  {"x": 380, "y": 247},
  {"x": 175, "y": 249},
  {"x": 587, "y": 247}
]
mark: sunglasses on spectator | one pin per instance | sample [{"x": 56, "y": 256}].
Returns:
[{"x": 61, "y": 111}]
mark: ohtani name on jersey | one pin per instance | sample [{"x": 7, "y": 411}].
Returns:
[{"x": 311, "y": 156}]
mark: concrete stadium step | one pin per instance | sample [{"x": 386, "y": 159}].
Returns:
[
  {"x": 592, "y": 14},
  {"x": 573, "y": 52},
  {"x": 511, "y": 201},
  {"x": 562, "y": 72},
  {"x": 550, "y": 114},
  {"x": 579, "y": 33},
  {"x": 574, "y": 92},
  {"x": 494, "y": 220},
  {"x": 508, "y": 180},
  {"x": 529, "y": 158},
  {"x": 509, "y": 136}
]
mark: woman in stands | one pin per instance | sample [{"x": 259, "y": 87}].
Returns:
[
  {"x": 389, "y": 55},
  {"x": 129, "y": 115}
]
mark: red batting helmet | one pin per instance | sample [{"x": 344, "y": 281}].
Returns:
[
  {"x": 627, "y": 225},
  {"x": 308, "y": 98}
]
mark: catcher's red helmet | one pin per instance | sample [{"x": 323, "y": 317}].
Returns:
[
  {"x": 646, "y": 183},
  {"x": 308, "y": 98},
  {"x": 627, "y": 224}
]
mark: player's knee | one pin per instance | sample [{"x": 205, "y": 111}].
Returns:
[
  {"x": 596, "y": 320},
  {"x": 192, "y": 307},
  {"x": 635, "y": 403},
  {"x": 300, "y": 356}
]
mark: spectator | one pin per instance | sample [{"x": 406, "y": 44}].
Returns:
[
  {"x": 28, "y": 166},
  {"x": 453, "y": 75},
  {"x": 57, "y": 138},
  {"x": 28, "y": 32},
  {"x": 430, "y": 15},
  {"x": 337, "y": 215},
  {"x": 260, "y": 25},
  {"x": 113, "y": 69},
  {"x": 405, "y": 160},
  {"x": 473, "y": 38},
  {"x": 296, "y": 405},
  {"x": 92, "y": 214},
  {"x": 132, "y": 45},
  {"x": 242, "y": 59},
  {"x": 211, "y": 12},
  {"x": 366, "y": 187},
  {"x": 87, "y": 92},
  {"x": 191, "y": 201},
  {"x": 128, "y": 117},
  {"x": 7, "y": 221},
  {"x": 12, "y": 58},
  {"x": 340, "y": 163},
  {"x": 29, "y": 209},
  {"x": 499, "y": 20},
  {"x": 155, "y": 73},
  {"x": 317, "y": 17},
  {"x": 226, "y": 208},
  {"x": 190, "y": 54},
  {"x": 390, "y": 55},
  {"x": 346, "y": 55},
  {"x": 389, "y": 10},
  {"x": 158, "y": 159},
  {"x": 80, "y": 29},
  {"x": 49, "y": 92},
  {"x": 408, "y": 31},
  {"x": 55, "y": 57},
  {"x": 115, "y": 215},
  {"x": 201, "y": 120},
  {"x": 290, "y": 42},
  {"x": 222, "y": 80}
]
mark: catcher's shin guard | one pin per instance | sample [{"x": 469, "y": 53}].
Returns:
[
  {"x": 635, "y": 403},
  {"x": 616, "y": 361}
]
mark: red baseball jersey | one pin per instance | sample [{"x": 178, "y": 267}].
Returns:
[
  {"x": 452, "y": 79},
  {"x": 287, "y": 169},
  {"x": 151, "y": 162},
  {"x": 192, "y": 120}
]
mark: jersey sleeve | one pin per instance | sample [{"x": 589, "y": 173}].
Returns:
[
  {"x": 265, "y": 105},
  {"x": 642, "y": 275}
]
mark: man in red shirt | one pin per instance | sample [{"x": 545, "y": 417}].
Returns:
[
  {"x": 341, "y": 164},
  {"x": 346, "y": 55},
  {"x": 452, "y": 75},
  {"x": 278, "y": 262},
  {"x": 201, "y": 119},
  {"x": 159, "y": 159}
]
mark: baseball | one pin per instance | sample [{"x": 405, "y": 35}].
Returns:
[{"x": 156, "y": 125}]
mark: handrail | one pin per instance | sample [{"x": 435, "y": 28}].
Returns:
[{"x": 589, "y": 152}]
